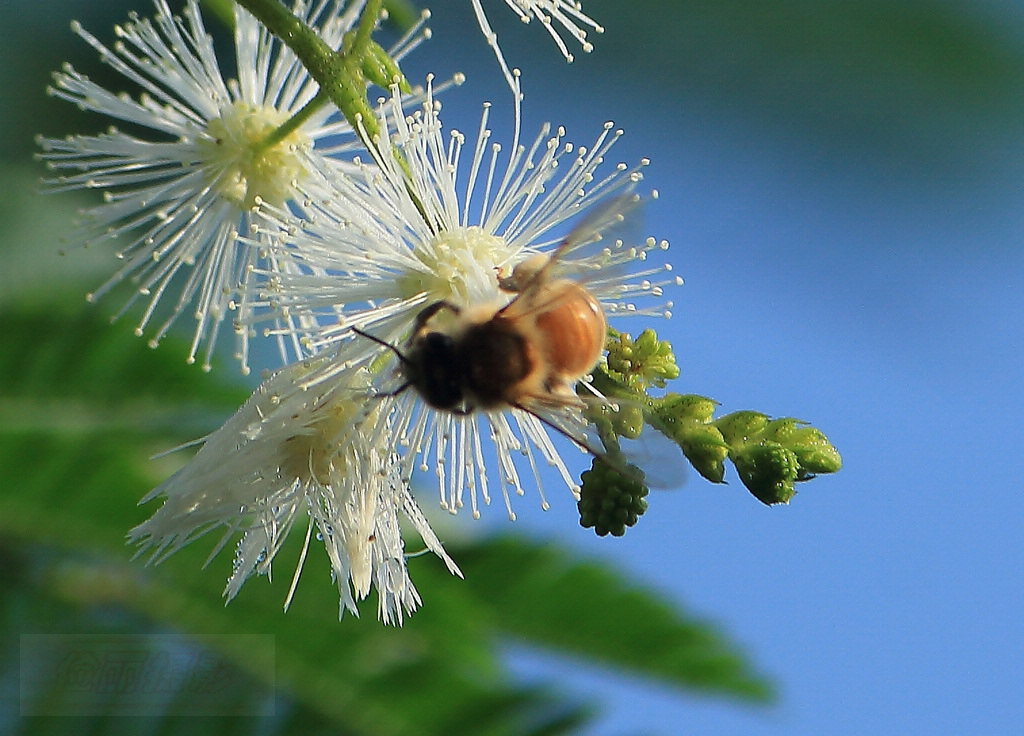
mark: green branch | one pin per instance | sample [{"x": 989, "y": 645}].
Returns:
[
  {"x": 770, "y": 455},
  {"x": 340, "y": 76}
]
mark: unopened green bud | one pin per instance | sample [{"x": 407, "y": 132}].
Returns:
[
  {"x": 742, "y": 426},
  {"x": 382, "y": 70},
  {"x": 611, "y": 499},
  {"x": 657, "y": 361},
  {"x": 684, "y": 419},
  {"x": 685, "y": 407},
  {"x": 706, "y": 450},
  {"x": 812, "y": 447},
  {"x": 627, "y": 420},
  {"x": 768, "y": 470},
  {"x": 618, "y": 419},
  {"x": 646, "y": 361}
]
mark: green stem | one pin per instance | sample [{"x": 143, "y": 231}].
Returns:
[
  {"x": 368, "y": 21},
  {"x": 338, "y": 77},
  {"x": 293, "y": 123},
  {"x": 223, "y": 9}
]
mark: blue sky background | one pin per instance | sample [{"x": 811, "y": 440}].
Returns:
[
  {"x": 863, "y": 274},
  {"x": 849, "y": 227}
]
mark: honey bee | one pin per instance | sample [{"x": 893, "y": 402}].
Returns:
[
  {"x": 527, "y": 354},
  {"x": 530, "y": 352}
]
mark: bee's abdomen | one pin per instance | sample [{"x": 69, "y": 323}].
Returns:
[{"x": 574, "y": 332}]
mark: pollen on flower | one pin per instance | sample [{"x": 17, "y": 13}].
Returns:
[
  {"x": 313, "y": 455},
  {"x": 458, "y": 265},
  {"x": 245, "y": 170}
]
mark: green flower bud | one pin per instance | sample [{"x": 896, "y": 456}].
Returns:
[
  {"x": 742, "y": 426},
  {"x": 684, "y": 419},
  {"x": 611, "y": 421},
  {"x": 619, "y": 358},
  {"x": 628, "y": 421},
  {"x": 382, "y": 70},
  {"x": 611, "y": 499},
  {"x": 812, "y": 447},
  {"x": 641, "y": 363},
  {"x": 658, "y": 362},
  {"x": 684, "y": 407},
  {"x": 706, "y": 450},
  {"x": 768, "y": 470}
]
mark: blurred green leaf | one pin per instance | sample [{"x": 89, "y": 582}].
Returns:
[
  {"x": 545, "y": 596},
  {"x": 82, "y": 414},
  {"x": 83, "y": 407},
  {"x": 32, "y": 604},
  {"x": 224, "y": 10}
]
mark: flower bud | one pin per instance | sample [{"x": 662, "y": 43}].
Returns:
[
  {"x": 706, "y": 450},
  {"x": 741, "y": 427},
  {"x": 611, "y": 499},
  {"x": 382, "y": 70},
  {"x": 685, "y": 407},
  {"x": 641, "y": 363},
  {"x": 813, "y": 449},
  {"x": 768, "y": 470},
  {"x": 627, "y": 421}
]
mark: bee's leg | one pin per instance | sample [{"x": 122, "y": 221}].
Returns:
[
  {"x": 523, "y": 274},
  {"x": 392, "y": 393},
  {"x": 429, "y": 311}
]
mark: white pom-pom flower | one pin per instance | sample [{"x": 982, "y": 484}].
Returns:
[
  {"x": 198, "y": 151},
  {"x": 298, "y": 452}
]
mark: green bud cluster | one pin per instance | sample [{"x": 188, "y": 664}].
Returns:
[
  {"x": 639, "y": 364},
  {"x": 770, "y": 455},
  {"x": 611, "y": 498}
]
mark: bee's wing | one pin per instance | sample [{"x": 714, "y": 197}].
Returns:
[
  {"x": 662, "y": 461},
  {"x": 614, "y": 221},
  {"x": 658, "y": 457},
  {"x": 592, "y": 247}
]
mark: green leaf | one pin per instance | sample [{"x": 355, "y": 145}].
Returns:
[
  {"x": 54, "y": 355},
  {"x": 45, "y": 585},
  {"x": 547, "y": 597},
  {"x": 223, "y": 9},
  {"x": 86, "y": 407},
  {"x": 97, "y": 405}
]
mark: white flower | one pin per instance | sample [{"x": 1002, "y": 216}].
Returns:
[
  {"x": 424, "y": 234},
  {"x": 179, "y": 190},
  {"x": 566, "y": 13},
  {"x": 301, "y": 449}
]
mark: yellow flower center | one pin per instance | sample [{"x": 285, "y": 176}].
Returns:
[
  {"x": 459, "y": 265},
  {"x": 323, "y": 451},
  {"x": 242, "y": 167}
]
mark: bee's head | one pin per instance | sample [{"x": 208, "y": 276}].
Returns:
[{"x": 432, "y": 368}]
